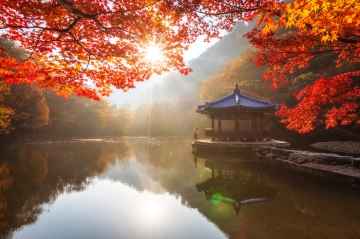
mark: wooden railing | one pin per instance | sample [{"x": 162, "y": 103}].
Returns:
[{"x": 241, "y": 135}]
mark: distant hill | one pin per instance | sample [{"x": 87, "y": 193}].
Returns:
[{"x": 176, "y": 87}]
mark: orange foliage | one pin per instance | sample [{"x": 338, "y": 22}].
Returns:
[
  {"x": 87, "y": 47},
  {"x": 335, "y": 99},
  {"x": 292, "y": 34}
]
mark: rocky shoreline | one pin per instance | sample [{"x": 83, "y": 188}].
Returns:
[
  {"x": 342, "y": 167},
  {"x": 341, "y": 147}
]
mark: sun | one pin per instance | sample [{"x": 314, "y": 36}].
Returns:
[{"x": 154, "y": 54}]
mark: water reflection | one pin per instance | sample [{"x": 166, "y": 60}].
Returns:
[
  {"x": 235, "y": 187},
  {"x": 96, "y": 190},
  {"x": 142, "y": 188},
  {"x": 284, "y": 202},
  {"x": 127, "y": 213},
  {"x": 36, "y": 174}
]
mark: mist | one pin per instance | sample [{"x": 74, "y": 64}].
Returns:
[{"x": 166, "y": 105}]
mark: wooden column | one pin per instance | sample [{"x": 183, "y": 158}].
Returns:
[
  {"x": 236, "y": 129},
  {"x": 219, "y": 125},
  {"x": 261, "y": 125},
  {"x": 212, "y": 128},
  {"x": 257, "y": 126},
  {"x": 253, "y": 126}
]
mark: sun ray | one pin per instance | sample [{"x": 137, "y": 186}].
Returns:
[{"x": 154, "y": 54}]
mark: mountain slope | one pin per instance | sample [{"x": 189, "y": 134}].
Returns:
[{"x": 176, "y": 87}]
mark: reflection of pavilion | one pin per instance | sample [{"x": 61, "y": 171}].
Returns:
[{"x": 232, "y": 185}]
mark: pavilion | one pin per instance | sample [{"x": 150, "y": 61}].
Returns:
[{"x": 239, "y": 117}]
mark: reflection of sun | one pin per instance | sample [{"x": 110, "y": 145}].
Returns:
[
  {"x": 151, "y": 211},
  {"x": 154, "y": 54}
]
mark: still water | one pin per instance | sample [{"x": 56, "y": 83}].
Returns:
[{"x": 155, "y": 188}]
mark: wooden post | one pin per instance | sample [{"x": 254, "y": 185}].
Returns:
[
  {"x": 261, "y": 126},
  {"x": 236, "y": 129},
  {"x": 219, "y": 134},
  {"x": 257, "y": 125},
  {"x": 212, "y": 123},
  {"x": 253, "y": 126}
]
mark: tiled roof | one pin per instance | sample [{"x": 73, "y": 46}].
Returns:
[{"x": 236, "y": 99}]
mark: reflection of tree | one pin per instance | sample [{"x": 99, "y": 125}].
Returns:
[
  {"x": 5, "y": 183},
  {"x": 32, "y": 165},
  {"x": 166, "y": 161},
  {"x": 37, "y": 174}
]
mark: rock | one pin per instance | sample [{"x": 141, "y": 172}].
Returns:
[
  {"x": 347, "y": 147},
  {"x": 269, "y": 155},
  {"x": 315, "y": 162},
  {"x": 299, "y": 158}
]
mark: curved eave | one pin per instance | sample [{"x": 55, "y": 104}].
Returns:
[{"x": 236, "y": 109}]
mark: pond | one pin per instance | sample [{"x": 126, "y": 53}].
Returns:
[{"x": 156, "y": 188}]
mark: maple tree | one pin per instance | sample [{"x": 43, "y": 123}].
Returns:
[
  {"x": 87, "y": 47},
  {"x": 291, "y": 37},
  {"x": 334, "y": 99}
]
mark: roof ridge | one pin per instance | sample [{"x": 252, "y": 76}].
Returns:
[
  {"x": 219, "y": 100},
  {"x": 257, "y": 98}
]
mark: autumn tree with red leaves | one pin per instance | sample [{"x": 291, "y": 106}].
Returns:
[
  {"x": 293, "y": 35},
  {"x": 88, "y": 47}
]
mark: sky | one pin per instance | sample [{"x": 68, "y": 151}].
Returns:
[{"x": 138, "y": 95}]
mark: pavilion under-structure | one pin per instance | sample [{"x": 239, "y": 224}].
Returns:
[{"x": 237, "y": 117}]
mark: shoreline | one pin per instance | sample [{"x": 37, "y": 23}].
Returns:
[
  {"x": 340, "y": 165},
  {"x": 337, "y": 166}
]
